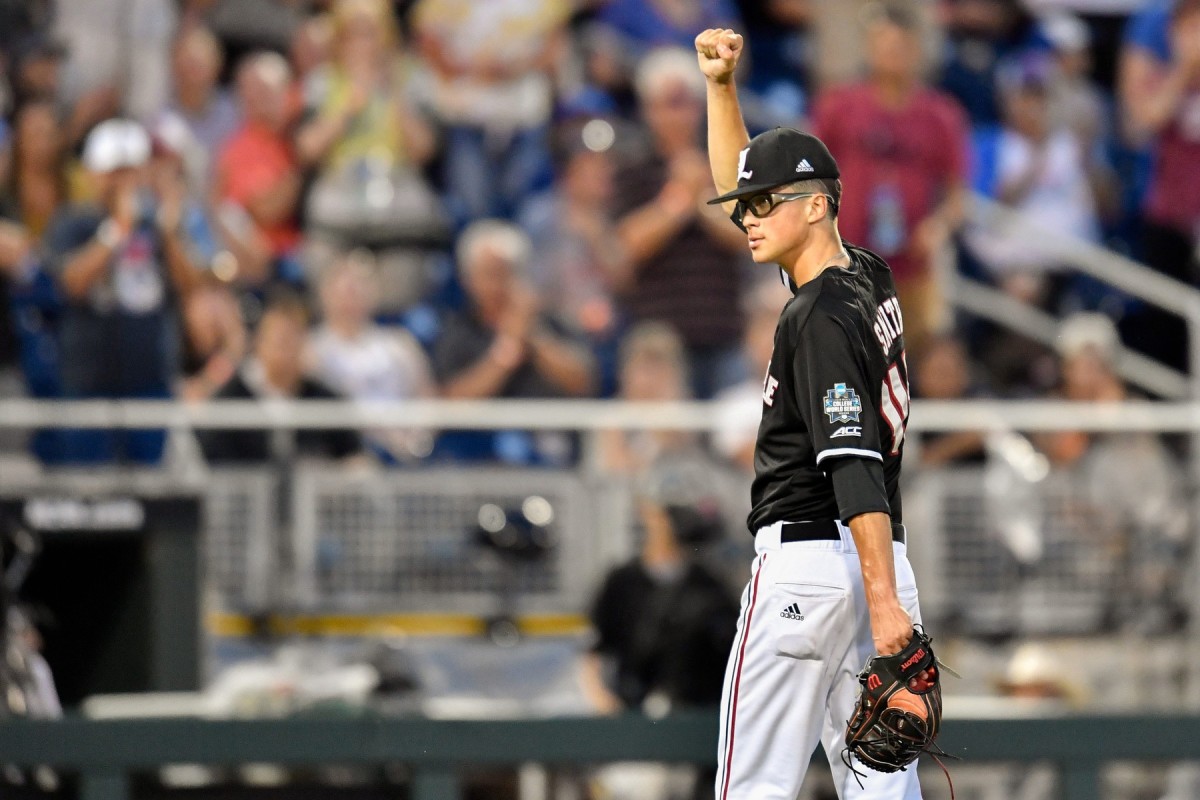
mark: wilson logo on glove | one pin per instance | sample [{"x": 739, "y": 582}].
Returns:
[{"x": 917, "y": 656}]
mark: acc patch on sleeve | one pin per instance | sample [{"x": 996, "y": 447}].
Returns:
[{"x": 842, "y": 404}]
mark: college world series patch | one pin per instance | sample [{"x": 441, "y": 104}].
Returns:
[{"x": 842, "y": 404}]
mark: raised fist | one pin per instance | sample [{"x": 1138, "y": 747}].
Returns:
[{"x": 718, "y": 51}]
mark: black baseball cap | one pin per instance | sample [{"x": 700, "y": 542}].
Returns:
[{"x": 777, "y": 157}]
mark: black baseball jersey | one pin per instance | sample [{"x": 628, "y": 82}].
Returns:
[{"x": 835, "y": 400}]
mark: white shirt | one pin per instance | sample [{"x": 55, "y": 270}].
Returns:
[
  {"x": 379, "y": 364},
  {"x": 1060, "y": 200}
]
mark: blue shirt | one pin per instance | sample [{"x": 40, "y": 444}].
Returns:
[{"x": 121, "y": 340}]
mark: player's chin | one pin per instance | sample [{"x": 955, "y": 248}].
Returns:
[{"x": 761, "y": 254}]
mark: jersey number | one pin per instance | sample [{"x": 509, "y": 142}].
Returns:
[{"x": 894, "y": 401}]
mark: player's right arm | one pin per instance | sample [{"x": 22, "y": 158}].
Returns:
[{"x": 718, "y": 51}]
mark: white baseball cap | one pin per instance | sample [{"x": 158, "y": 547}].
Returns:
[{"x": 114, "y": 144}]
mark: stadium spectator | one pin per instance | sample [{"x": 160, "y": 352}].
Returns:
[
  {"x": 257, "y": 169},
  {"x": 118, "y": 59},
  {"x": 492, "y": 69},
  {"x": 364, "y": 361},
  {"x": 575, "y": 248},
  {"x": 943, "y": 372},
  {"x": 1139, "y": 515},
  {"x": 739, "y": 408},
  {"x": 902, "y": 148},
  {"x": 223, "y": 237},
  {"x": 663, "y": 622},
  {"x": 980, "y": 36},
  {"x": 310, "y": 50},
  {"x": 683, "y": 255},
  {"x": 275, "y": 371},
  {"x": 37, "y": 186},
  {"x": 214, "y": 340},
  {"x": 653, "y": 368},
  {"x": 1044, "y": 172},
  {"x": 1160, "y": 98},
  {"x": 207, "y": 109},
  {"x": 123, "y": 264},
  {"x": 367, "y": 143},
  {"x": 504, "y": 344}
]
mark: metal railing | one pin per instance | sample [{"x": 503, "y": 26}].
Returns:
[{"x": 1108, "y": 266}]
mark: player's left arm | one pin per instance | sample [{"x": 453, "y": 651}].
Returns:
[
  {"x": 835, "y": 398},
  {"x": 891, "y": 626}
]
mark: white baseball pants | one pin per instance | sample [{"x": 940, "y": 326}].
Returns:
[{"x": 802, "y": 638}]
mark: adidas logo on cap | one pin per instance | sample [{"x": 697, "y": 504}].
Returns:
[
  {"x": 804, "y": 166},
  {"x": 792, "y": 612}
]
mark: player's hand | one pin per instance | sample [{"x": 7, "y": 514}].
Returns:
[
  {"x": 891, "y": 628},
  {"x": 718, "y": 51}
]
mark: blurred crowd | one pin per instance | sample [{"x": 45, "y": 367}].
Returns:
[{"x": 390, "y": 199}]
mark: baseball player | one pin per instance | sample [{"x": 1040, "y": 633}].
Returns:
[{"x": 831, "y": 584}]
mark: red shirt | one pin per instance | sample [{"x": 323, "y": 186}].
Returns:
[
  {"x": 253, "y": 162},
  {"x": 896, "y": 165},
  {"x": 1174, "y": 197}
]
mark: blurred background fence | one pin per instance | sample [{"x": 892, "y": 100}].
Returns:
[{"x": 1091, "y": 565}]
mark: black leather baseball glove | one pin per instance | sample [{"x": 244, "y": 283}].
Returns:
[{"x": 899, "y": 708}]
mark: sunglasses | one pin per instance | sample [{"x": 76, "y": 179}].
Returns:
[{"x": 761, "y": 205}]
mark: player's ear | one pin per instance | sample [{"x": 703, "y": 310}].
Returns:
[{"x": 818, "y": 208}]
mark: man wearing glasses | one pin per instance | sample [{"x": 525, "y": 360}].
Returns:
[{"x": 831, "y": 584}]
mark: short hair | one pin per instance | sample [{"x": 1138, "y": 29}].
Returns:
[
  {"x": 832, "y": 187},
  {"x": 665, "y": 66},
  {"x": 507, "y": 239}
]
